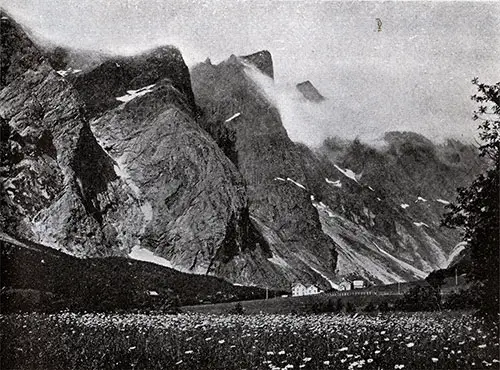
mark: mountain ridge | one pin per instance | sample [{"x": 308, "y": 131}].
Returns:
[{"x": 196, "y": 168}]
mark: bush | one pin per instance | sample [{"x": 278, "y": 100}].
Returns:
[
  {"x": 350, "y": 308},
  {"x": 460, "y": 300},
  {"x": 237, "y": 309},
  {"x": 420, "y": 298},
  {"x": 370, "y": 307}
]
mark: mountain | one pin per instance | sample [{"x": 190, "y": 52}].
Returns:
[
  {"x": 61, "y": 188},
  {"x": 383, "y": 206},
  {"x": 140, "y": 158},
  {"x": 249, "y": 130},
  {"x": 99, "y": 188},
  {"x": 116, "y": 76},
  {"x": 310, "y": 92},
  {"x": 380, "y": 207}
]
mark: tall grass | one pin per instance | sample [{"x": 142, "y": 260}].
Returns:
[{"x": 420, "y": 341}]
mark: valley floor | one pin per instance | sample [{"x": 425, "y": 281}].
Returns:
[{"x": 438, "y": 340}]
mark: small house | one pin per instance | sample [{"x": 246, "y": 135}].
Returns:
[
  {"x": 345, "y": 285},
  {"x": 358, "y": 284},
  {"x": 298, "y": 289},
  {"x": 313, "y": 289}
]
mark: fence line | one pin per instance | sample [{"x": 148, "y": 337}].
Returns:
[
  {"x": 353, "y": 293},
  {"x": 357, "y": 293}
]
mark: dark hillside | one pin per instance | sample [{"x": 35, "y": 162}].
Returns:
[{"x": 35, "y": 277}]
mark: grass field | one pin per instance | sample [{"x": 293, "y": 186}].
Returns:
[{"x": 419, "y": 341}]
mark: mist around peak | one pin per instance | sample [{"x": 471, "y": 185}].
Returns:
[{"x": 312, "y": 122}]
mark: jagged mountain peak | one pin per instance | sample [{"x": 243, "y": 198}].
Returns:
[
  {"x": 263, "y": 60},
  {"x": 102, "y": 86},
  {"x": 17, "y": 51},
  {"x": 309, "y": 91}
]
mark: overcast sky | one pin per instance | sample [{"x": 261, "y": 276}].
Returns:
[{"x": 412, "y": 75}]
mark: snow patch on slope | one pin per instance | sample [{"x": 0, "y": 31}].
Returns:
[
  {"x": 64, "y": 73},
  {"x": 296, "y": 183},
  {"x": 442, "y": 201},
  {"x": 332, "y": 284},
  {"x": 456, "y": 252},
  {"x": 146, "y": 255},
  {"x": 420, "y": 224},
  {"x": 233, "y": 117},
  {"x": 132, "y": 94},
  {"x": 403, "y": 264},
  {"x": 277, "y": 260},
  {"x": 120, "y": 171},
  {"x": 323, "y": 207},
  {"x": 337, "y": 183},
  {"x": 348, "y": 173}
]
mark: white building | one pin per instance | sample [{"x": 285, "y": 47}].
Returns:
[
  {"x": 358, "y": 284},
  {"x": 345, "y": 285},
  {"x": 300, "y": 289}
]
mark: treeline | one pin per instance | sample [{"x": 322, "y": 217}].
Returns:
[{"x": 418, "y": 298}]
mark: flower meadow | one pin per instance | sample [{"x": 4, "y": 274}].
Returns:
[{"x": 437, "y": 340}]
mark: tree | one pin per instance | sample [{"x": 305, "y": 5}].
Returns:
[{"x": 476, "y": 210}]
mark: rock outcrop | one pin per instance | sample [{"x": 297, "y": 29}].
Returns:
[
  {"x": 101, "y": 86},
  {"x": 263, "y": 60},
  {"x": 310, "y": 92}
]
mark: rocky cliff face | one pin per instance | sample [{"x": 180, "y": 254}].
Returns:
[
  {"x": 143, "y": 175},
  {"x": 192, "y": 198},
  {"x": 380, "y": 208},
  {"x": 101, "y": 86},
  {"x": 58, "y": 181},
  {"x": 249, "y": 129},
  {"x": 383, "y": 206}
]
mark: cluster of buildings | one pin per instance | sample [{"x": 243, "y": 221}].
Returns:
[
  {"x": 351, "y": 285},
  {"x": 300, "y": 289}
]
